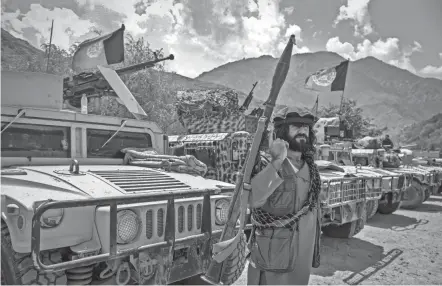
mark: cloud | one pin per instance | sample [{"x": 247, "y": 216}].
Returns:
[
  {"x": 432, "y": 71},
  {"x": 316, "y": 33},
  {"x": 387, "y": 50},
  {"x": 356, "y": 12},
  {"x": 38, "y": 19},
  {"x": 201, "y": 35},
  {"x": 289, "y": 10},
  {"x": 205, "y": 36}
]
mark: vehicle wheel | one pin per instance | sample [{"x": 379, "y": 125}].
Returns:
[
  {"x": 372, "y": 208},
  {"x": 427, "y": 194},
  {"x": 417, "y": 198},
  {"x": 388, "y": 207},
  {"x": 235, "y": 263},
  {"x": 234, "y": 267},
  {"x": 18, "y": 268},
  {"x": 347, "y": 230}
]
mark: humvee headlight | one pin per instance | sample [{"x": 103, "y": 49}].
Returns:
[
  {"x": 128, "y": 226},
  {"x": 221, "y": 211},
  {"x": 51, "y": 218}
]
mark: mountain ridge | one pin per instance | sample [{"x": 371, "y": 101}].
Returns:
[{"x": 392, "y": 96}]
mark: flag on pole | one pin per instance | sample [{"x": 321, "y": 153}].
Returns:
[
  {"x": 315, "y": 107},
  {"x": 329, "y": 79},
  {"x": 102, "y": 50}
]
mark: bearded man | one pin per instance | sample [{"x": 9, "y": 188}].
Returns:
[{"x": 284, "y": 243}]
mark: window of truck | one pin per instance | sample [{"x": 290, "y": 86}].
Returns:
[
  {"x": 123, "y": 139},
  {"x": 31, "y": 140}
]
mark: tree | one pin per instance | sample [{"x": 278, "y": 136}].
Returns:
[
  {"x": 362, "y": 126},
  {"x": 151, "y": 87}
]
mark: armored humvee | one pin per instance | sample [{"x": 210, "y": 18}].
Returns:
[
  {"x": 214, "y": 120},
  {"x": 78, "y": 207},
  {"x": 417, "y": 181},
  {"x": 384, "y": 191}
]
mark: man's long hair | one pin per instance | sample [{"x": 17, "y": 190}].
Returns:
[{"x": 282, "y": 132}]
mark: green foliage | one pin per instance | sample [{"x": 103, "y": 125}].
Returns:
[
  {"x": 150, "y": 87},
  {"x": 362, "y": 126},
  {"x": 426, "y": 134}
]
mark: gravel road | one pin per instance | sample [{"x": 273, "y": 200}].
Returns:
[{"x": 401, "y": 248}]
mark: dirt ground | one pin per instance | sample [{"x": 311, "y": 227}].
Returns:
[{"x": 401, "y": 248}]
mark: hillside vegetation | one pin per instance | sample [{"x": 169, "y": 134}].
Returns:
[
  {"x": 380, "y": 98},
  {"x": 391, "y": 96},
  {"x": 154, "y": 88},
  {"x": 426, "y": 134}
]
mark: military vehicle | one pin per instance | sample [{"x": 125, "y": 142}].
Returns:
[
  {"x": 216, "y": 114},
  {"x": 223, "y": 153},
  {"x": 91, "y": 199},
  {"x": 384, "y": 191},
  {"x": 416, "y": 182}
]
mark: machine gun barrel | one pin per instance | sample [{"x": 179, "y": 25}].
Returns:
[
  {"x": 140, "y": 66},
  {"x": 90, "y": 83}
]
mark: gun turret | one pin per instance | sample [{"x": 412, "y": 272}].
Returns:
[{"x": 94, "y": 84}]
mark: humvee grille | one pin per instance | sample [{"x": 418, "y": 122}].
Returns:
[
  {"x": 184, "y": 220},
  {"x": 141, "y": 180},
  {"x": 343, "y": 191}
]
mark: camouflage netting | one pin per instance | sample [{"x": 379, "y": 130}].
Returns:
[
  {"x": 203, "y": 103},
  {"x": 213, "y": 111},
  {"x": 368, "y": 143}
]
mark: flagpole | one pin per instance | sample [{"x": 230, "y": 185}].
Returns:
[
  {"x": 343, "y": 91},
  {"x": 50, "y": 45},
  {"x": 317, "y": 105}
]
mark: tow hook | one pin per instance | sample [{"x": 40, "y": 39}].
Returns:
[{"x": 124, "y": 267}]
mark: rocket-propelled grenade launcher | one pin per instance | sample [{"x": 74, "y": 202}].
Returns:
[
  {"x": 238, "y": 206},
  {"x": 93, "y": 83}
]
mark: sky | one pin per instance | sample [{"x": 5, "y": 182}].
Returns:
[{"x": 204, "y": 34}]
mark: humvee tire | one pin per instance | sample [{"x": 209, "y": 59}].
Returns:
[
  {"x": 234, "y": 267},
  {"x": 347, "y": 230},
  {"x": 387, "y": 207},
  {"x": 372, "y": 208},
  {"x": 427, "y": 193},
  {"x": 417, "y": 200},
  {"x": 18, "y": 268}
]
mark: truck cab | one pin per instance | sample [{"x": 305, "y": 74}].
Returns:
[{"x": 92, "y": 199}]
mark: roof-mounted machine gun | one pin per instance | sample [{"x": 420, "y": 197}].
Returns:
[
  {"x": 248, "y": 99},
  {"x": 95, "y": 84}
]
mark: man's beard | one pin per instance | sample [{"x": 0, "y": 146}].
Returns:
[{"x": 301, "y": 145}]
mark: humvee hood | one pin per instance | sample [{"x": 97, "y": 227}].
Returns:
[{"x": 57, "y": 183}]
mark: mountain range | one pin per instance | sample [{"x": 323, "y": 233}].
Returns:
[{"x": 393, "y": 97}]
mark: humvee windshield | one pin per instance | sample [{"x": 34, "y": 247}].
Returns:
[
  {"x": 123, "y": 139},
  {"x": 342, "y": 157},
  {"x": 31, "y": 140}
]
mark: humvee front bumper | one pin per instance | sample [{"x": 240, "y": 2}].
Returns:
[{"x": 174, "y": 258}]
